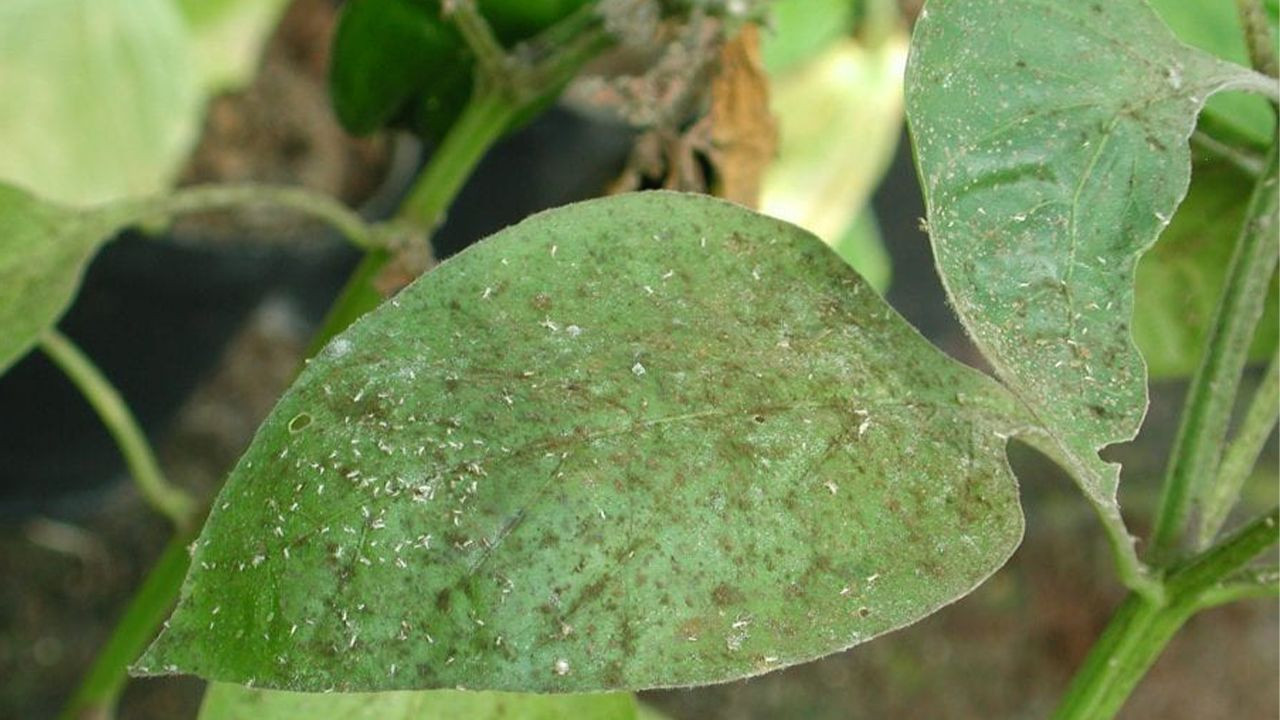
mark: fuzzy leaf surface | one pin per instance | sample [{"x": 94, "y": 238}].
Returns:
[{"x": 651, "y": 440}]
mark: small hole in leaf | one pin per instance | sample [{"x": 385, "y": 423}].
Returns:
[
  {"x": 758, "y": 418},
  {"x": 299, "y": 422}
]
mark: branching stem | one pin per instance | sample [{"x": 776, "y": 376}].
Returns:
[
  {"x": 1258, "y": 37},
  {"x": 1140, "y": 628}
]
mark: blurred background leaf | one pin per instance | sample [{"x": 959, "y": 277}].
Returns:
[
  {"x": 837, "y": 96},
  {"x": 1180, "y": 278},
  {"x": 225, "y": 701},
  {"x": 101, "y": 97},
  {"x": 228, "y": 36}
]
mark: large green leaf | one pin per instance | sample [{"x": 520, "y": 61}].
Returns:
[
  {"x": 44, "y": 249},
  {"x": 224, "y": 701},
  {"x": 1214, "y": 26},
  {"x": 1051, "y": 139},
  {"x": 1180, "y": 279},
  {"x": 101, "y": 99},
  {"x": 644, "y": 441}
]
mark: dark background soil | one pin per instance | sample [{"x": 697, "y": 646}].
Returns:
[{"x": 71, "y": 560}]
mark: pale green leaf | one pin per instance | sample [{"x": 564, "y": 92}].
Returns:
[
  {"x": 1180, "y": 279},
  {"x": 645, "y": 441},
  {"x": 44, "y": 249},
  {"x": 839, "y": 118},
  {"x": 227, "y": 38},
  {"x": 799, "y": 30},
  {"x": 1051, "y": 139},
  {"x": 100, "y": 98},
  {"x": 224, "y": 701}
]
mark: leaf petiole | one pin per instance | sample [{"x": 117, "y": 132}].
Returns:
[{"x": 169, "y": 500}]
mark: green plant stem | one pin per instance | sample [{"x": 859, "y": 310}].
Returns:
[
  {"x": 480, "y": 125},
  {"x": 167, "y": 499},
  {"x": 100, "y": 689},
  {"x": 1244, "y": 160},
  {"x": 1259, "y": 84},
  {"x": 359, "y": 295},
  {"x": 485, "y": 117},
  {"x": 475, "y": 31},
  {"x": 198, "y": 198},
  {"x": 1140, "y": 628},
  {"x": 1252, "y": 584},
  {"x": 497, "y": 100},
  {"x": 1258, "y": 37},
  {"x": 1198, "y": 446},
  {"x": 1242, "y": 455}
]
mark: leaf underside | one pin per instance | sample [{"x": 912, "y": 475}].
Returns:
[
  {"x": 1051, "y": 139},
  {"x": 652, "y": 440}
]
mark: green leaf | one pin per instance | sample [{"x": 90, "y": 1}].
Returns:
[
  {"x": 1180, "y": 279},
  {"x": 401, "y": 62},
  {"x": 386, "y": 52},
  {"x": 44, "y": 249},
  {"x": 799, "y": 30},
  {"x": 101, "y": 100},
  {"x": 225, "y": 701},
  {"x": 645, "y": 441},
  {"x": 1214, "y": 26},
  {"x": 1051, "y": 140},
  {"x": 227, "y": 38}
]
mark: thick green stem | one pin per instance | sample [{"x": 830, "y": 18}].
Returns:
[
  {"x": 481, "y": 123},
  {"x": 1202, "y": 434},
  {"x": 475, "y": 30},
  {"x": 1258, "y": 37},
  {"x": 171, "y": 501},
  {"x": 1140, "y": 628},
  {"x": 1242, "y": 454},
  {"x": 100, "y": 690},
  {"x": 1132, "y": 641},
  {"x": 198, "y": 198},
  {"x": 479, "y": 126},
  {"x": 359, "y": 295}
]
